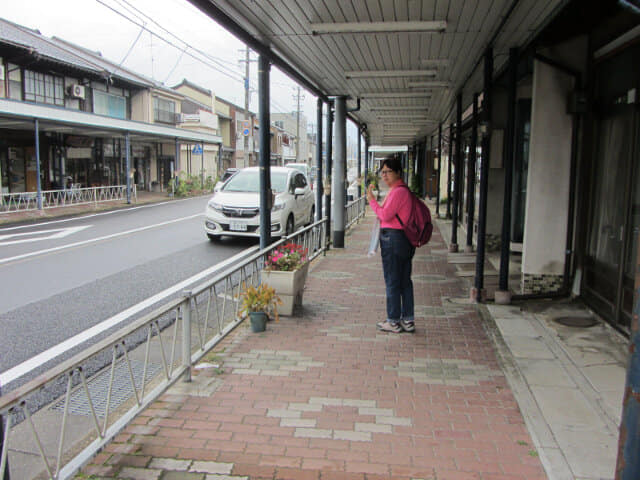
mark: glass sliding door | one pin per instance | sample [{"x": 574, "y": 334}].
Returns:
[{"x": 614, "y": 195}]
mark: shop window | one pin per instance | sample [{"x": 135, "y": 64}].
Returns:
[
  {"x": 43, "y": 88},
  {"x": 164, "y": 110},
  {"x": 110, "y": 105}
]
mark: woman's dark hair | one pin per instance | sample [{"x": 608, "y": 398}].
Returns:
[{"x": 392, "y": 163}]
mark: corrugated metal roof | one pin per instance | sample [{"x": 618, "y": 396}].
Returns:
[{"x": 405, "y": 59}]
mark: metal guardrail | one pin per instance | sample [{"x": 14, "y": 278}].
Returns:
[
  {"x": 354, "y": 211},
  {"x": 111, "y": 382},
  {"x": 23, "y": 201}
]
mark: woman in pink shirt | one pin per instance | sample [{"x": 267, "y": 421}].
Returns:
[{"x": 395, "y": 249}]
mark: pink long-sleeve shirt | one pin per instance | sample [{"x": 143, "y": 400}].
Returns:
[{"x": 398, "y": 201}]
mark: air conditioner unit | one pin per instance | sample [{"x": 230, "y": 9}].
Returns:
[{"x": 76, "y": 91}]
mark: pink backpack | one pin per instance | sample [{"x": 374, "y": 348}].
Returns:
[{"x": 418, "y": 227}]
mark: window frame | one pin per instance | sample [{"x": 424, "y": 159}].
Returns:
[{"x": 44, "y": 88}]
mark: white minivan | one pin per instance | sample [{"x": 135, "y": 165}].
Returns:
[{"x": 235, "y": 209}]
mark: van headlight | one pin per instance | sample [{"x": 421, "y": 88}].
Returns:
[{"x": 279, "y": 205}]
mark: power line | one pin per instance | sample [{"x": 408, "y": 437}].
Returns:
[
  {"x": 144, "y": 27},
  {"x": 205, "y": 54}
]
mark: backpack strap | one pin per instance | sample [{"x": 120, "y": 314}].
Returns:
[{"x": 410, "y": 193}]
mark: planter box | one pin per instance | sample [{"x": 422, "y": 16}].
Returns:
[{"x": 289, "y": 287}]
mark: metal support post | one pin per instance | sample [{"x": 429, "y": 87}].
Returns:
[
  {"x": 477, "y": 292},
  {"x": 450, "y": 167},
  {"x": 628, "y": 462},
  {"x": 319, "y": 183},
  {"x": 186, "y": 335},
  {"x": 359, "y": 162},
  {"x": 502, "y": 295},
  {"x": 329, "y": 164},
  {"x": 127, "y": 146},
  {"x": 471, "y": 175},
  {"x": 264, "y": 67},
  {"x": 2, "y": 427},
  {"x": 337, "y": 179},
  {"x": 176, "y": 166},
  {"x": 439, "y": 170},
  {"x": 366, "y": 161},
  {"x": 457, "y": 180},
  {"x": 38, "y": 182}
]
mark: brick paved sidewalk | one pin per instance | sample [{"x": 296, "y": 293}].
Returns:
[{"x": 323, "y": 395}]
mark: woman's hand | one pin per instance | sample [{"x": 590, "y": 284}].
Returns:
[{"x": 370, "y": 196}]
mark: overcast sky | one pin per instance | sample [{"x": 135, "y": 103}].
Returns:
[{"x": 101, "y": 25}]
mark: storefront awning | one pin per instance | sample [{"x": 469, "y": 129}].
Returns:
[{"x": 20, "y": 115}]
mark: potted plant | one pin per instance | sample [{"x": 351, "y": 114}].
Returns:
[
  {"x": 259, "y": 302},
  {"x": 286, "y": 271}
]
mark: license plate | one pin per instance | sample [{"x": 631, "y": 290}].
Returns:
[{"x": 238, "y": 226}]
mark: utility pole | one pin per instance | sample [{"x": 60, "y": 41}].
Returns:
[
  {"x": 247, "y": 160},
  {"x": 298, "y": 96}
]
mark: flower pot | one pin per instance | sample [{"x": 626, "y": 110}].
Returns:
[
  {"x": 289, "y": 286},
  {"x": 258, "y": 321}
]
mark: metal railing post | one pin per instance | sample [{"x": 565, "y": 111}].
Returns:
[
  {"x": 186, "y": 336},
  {"x": 6, "y": 464}
]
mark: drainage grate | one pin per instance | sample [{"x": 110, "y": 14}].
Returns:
[
  {"x": 99, "y": 388},
  {"x": 576, "y": 321}
]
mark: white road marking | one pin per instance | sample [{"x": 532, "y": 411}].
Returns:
[
  {"x": 99, "y": 214},
  {"x": 16, "y": 372},
  {"x": 41, "y": 235},
  {"x": 98, "y": 239}
]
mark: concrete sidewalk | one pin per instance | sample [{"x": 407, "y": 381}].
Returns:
[{"x": 478, "y": 392}]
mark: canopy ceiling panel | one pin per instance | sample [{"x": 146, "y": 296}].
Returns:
[{"x": 420, "y": 51}]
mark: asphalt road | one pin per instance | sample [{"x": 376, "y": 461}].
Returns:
[{"x": 59, "y": 278}]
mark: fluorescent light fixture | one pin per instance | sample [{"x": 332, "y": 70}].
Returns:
[
  {"x": 400, "y": 108},
  {"x": 435, "y": 62},
  {"x": 389, "y": 73},
  {"x": 404, "y": 115},
  {"x": 395, "y": 95},
  {"x": 429, "y": 84},
  {"x": 378, "y": 27}
]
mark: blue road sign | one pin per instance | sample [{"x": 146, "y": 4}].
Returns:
[{"x": 197, "y": 149}]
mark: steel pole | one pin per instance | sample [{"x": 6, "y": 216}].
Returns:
[
  {"x": 265, "y": 151},
  {"x": 38, "y": 184},
  {"x": 471, "y": 177},
  {"x": 366, "y": 161},
  {"x": 6, "y": 466},
  {"x": 439, "y": 170},
  {"x": 484, "y": 174},
  {"x": 319, "y": 183},
  {"x": 359, "y": 162},
  {"x": 127, "y": 146},
  {"x": 329, "y": 164},
  {"x": 509, "y": 151},
  {"x": 449, "y": 168},
  {"x": 176, "y": 167},
  {"x": 337, "y": 179},
  {"x": 186, "y": 335},
  {"x": 628, "y": 462},
  {"x": 457, "y": 179}
]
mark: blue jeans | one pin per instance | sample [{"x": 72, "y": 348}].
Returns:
[{"x": 397, "y": 254}]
